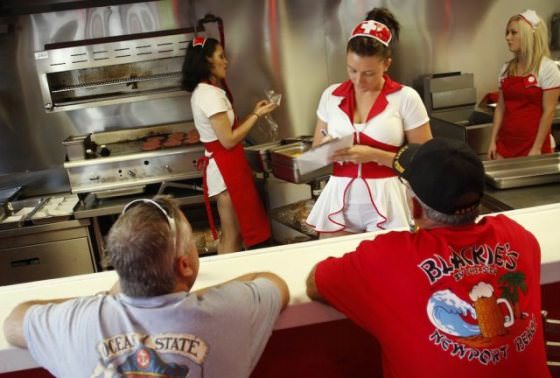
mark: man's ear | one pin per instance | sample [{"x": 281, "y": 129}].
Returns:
[{"x": 183, "y": 266}]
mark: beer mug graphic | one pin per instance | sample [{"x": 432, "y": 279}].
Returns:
[{"x": 489, "y": 315}]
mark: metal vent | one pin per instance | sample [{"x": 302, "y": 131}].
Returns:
[{"x": 104, "y": 73}]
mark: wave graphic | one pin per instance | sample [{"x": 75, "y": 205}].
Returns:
[{"x": 446, "y": 311}]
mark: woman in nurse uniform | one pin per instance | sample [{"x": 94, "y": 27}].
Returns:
[
  {"x": 364, "y": 194},
  {"x": 529, "y": 89},
  {"x": 226, "y": 172}
]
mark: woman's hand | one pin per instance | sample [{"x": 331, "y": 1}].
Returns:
[
  {"x": 325, "y": 139},
  {"x": 325, "y": 136},
  {"x": 492, "y": 154},
  {"x": 356, "y": 154},
  {"x": 534, "y": 151},
  {"x": 264, "y": 107}
]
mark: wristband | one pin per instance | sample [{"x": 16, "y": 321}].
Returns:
[{"x": 256, "y": 115}]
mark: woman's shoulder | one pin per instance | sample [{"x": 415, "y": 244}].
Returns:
[
  {"x": 549, "y": 74},
  {"x": 202, "y": 88},
  {"x": 407, "y": 93},
  {"x": 407, "y": 90},
  {"x": 203, "y": 91},
  {"x": 548, "y": 64}
]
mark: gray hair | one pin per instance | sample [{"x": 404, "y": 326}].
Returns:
[
  {"x": 141, "y": 249},
  {"x": 451, "y": 219},
  {"x": 448, "y": 219}
]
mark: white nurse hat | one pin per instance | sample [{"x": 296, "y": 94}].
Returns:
[
  {"x": 531, "y": 17},
  {"x": 373, "y": 29}
]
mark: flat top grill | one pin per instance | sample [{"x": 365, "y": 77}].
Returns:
[
  {"x": 125, "y": 148},
  {"x": 118, "y": 160},
  {"x": 137, "y": 146}
]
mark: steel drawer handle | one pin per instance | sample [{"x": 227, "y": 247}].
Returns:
[{"x": 25, "y": 262}]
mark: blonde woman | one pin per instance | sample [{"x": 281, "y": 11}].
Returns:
[{"x": 529, "y": 89}]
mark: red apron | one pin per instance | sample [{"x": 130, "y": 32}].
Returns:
[
  {"x": 522, "y": 114},
  {"x": 238, "y": 177}
]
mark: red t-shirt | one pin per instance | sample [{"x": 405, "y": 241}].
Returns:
[{"x": 447, "y": 302}]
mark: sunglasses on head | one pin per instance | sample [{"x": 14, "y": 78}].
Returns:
[{"x": 157, "y": 205}]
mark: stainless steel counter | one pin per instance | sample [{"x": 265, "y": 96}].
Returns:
[
  {"x": 37, "y": 252},
  {"x": 279, "y": 260},
  {"x": 113, "y": 206},
  {"x": 48, "y": 227},
  {"x": 67, "y": 247},
  {"x": 517, "y": 198}
]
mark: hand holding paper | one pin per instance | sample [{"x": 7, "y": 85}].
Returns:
[
  {"x": 355, "y": 154},
  {"x": 321, "y": 156},
  {"x": 326, "y": 137}
]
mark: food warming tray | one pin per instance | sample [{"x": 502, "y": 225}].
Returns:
[
  {"x": 55, "y": 209},
  {"x": 523, "y": 171},
  {"x": 38, "y": 210},
  {"x": 284, "y": 164},
  {"x": 258, "y": 156}
]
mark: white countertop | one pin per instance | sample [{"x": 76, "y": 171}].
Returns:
[{"x": 292, "y": 262}]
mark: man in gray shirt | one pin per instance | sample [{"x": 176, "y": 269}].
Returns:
[{"x": 150, "y": 324}]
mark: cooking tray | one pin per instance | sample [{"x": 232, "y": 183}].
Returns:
[
  {"x": 259, "y": 155},
  {"x": 55, "y": 209},
  {"x": 284, "y": 165},
  {"x": 523, "y": 171},
  {"x": 15, "y": 213}
]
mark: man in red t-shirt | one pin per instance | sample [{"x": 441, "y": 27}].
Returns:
[{"x": 456, "y": 298}]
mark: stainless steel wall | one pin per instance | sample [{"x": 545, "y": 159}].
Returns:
[{"x": 294, "y": 47}]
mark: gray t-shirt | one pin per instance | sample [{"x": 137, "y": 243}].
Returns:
[{"x": 175, "y": 335}]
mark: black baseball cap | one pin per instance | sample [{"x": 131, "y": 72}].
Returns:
[{"x": 444, "y": 174}]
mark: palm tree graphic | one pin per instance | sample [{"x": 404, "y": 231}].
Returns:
[{"x": 511, "y": 284}]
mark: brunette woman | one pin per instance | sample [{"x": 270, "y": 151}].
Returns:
[
  {"x": 364, "y": 193},
  {"x": 227, "y": 175}
]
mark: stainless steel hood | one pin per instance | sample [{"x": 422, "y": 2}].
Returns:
[
  {"x": 112, "y": 70},
  {"x": 19, "y": 7}
]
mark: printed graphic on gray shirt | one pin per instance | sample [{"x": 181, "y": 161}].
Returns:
[{"x": 135, "y": 354}]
